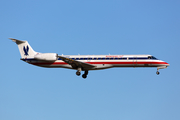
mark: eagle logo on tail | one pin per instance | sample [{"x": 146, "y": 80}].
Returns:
[{"x": 26, "y": 50}]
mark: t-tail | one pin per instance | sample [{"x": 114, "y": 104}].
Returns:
[
  {"x": 25, "y": 49},
  {"x": 26, "y": 52}
]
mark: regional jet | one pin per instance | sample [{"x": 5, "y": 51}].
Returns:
[{"x": 86, "y": 62}]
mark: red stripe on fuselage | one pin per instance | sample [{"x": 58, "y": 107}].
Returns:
[{"x": 63, "y": 63}]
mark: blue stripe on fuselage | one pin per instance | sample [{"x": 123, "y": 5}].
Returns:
[{"x": 98, "y": 58}]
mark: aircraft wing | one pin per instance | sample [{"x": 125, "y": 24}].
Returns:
[{"x": 75, "y": 63}]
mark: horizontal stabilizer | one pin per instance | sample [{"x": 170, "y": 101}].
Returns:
[{"x": 17, "y": 41}]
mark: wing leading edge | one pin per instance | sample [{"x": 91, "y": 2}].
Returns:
[{"x": 75, "y": 63}]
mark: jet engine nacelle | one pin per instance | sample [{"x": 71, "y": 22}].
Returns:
[{"x": 46, "y": 56}]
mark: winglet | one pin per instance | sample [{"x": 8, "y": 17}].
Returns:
[{"x": 17, "y": 41}]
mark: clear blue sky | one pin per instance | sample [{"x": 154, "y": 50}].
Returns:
[{"x": 97, "y": 27}]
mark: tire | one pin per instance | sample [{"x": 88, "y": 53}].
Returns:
[{"x": 84, "y": 76}]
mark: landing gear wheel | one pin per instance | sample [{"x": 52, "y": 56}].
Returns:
[
  {"x": 157, "y": 73},
  {"x": 78, "y": 73},
  {"x": 84, "y": 76}
]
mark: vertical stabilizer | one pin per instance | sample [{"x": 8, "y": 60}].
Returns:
[{"x": 25, "y": 49}]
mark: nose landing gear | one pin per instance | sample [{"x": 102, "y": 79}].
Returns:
[
  {"x": 157, "y": 72},
  {"x": 161, "y": 67}
]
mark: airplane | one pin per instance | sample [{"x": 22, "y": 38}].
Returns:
[{"x": 86, "y": 62}]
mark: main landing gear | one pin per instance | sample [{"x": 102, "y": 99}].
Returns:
[
  {"x": 78, "y": 73},
  {"x": 85, "y": 74}
]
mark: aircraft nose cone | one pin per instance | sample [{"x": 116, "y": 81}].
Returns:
[{"x": 167, "y": 64}]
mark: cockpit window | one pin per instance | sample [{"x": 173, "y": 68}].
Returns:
[{"x": 152, "y": 57}]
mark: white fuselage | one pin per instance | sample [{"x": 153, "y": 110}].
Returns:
[
  {"x": 85, "y": 62},
  {"x": 103, "y": 61}
]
